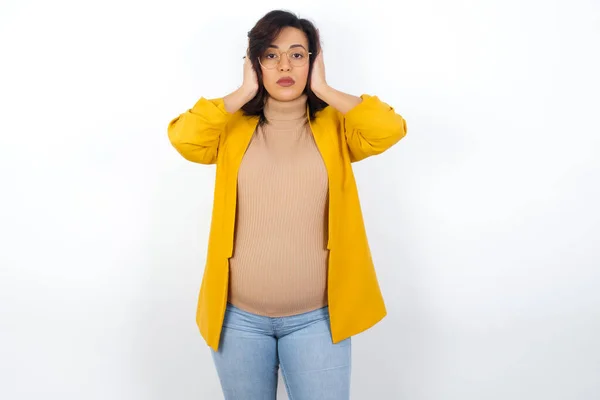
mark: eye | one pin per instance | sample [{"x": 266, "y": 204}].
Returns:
[
  {"x": 298, "y": 55},
  {"x": 270, "y": 55}
]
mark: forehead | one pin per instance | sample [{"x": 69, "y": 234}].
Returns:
[{"x": 290, "y": 36}]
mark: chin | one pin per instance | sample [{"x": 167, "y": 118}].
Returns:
[{"x": 285, "y": 94}]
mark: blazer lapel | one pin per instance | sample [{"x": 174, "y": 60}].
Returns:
[{"x": 236, "y": 148}]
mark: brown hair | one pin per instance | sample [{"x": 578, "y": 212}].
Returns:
[{"x": 260, "y": 37}]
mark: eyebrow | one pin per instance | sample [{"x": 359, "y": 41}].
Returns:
[{"x": 291, "y": 47}]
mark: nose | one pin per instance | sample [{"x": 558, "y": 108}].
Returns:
[{"x": 284, "y": 66}]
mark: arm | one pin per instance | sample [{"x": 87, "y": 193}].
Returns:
[
  {"x": 370, "y": 125},
  {"x": 341, "y": 101},
  {"x": 195, "y": 134}
]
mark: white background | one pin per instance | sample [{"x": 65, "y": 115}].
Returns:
[{"x": 483, "y": 221}]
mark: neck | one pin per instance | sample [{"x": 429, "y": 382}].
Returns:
[{"x": 276, "y": 110}]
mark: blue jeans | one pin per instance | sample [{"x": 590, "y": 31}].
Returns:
[{"x": 253, "y": 347}]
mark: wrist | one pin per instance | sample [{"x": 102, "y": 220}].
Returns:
[
  {"x": 248, "y": 91},
  {"x": 321, "y": 90}
]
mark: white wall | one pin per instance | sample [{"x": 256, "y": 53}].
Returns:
[{"x": 483, "y": 221}]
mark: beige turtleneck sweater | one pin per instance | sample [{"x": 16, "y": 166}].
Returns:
[{"x": 279, "y": 263}]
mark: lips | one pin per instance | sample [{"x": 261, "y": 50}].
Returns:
[{"x": 286, "y": 81}]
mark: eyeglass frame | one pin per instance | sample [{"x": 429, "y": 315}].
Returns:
[{"x": 280, "y": 58}]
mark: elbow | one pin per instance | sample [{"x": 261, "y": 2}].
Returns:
[
  {"x": 395, "y": 134},
  {"x": 196, "y": 154},
  {"x": 193, "y": 152},
  {"x": 173, "y": 133},
  {"x": 400, "y": 129},
  {"x": 404, "y": 128},
  {"x": 176, "y": 141}
]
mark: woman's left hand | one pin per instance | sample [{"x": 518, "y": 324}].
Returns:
[
  {"x": 317, "y": 80},
  {"x": 340, "y": 101}
]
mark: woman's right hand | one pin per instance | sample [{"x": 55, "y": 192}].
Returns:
[
  {"x": 250, "y": 83},
  {"x": 246, "y": 92}
]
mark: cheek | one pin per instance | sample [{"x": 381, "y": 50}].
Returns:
[
  {"x": 303, "y": 76},
  {"x": 268, "y": 78}
]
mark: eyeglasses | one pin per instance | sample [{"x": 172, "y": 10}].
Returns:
[{"x": 297, "y": 57}]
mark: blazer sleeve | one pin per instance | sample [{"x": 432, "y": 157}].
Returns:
[
  {"x": 371, "y": 128},
  {"x": 195, "y": 134}
]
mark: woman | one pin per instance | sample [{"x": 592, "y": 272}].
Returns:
[{"x": 289, "y": 276}]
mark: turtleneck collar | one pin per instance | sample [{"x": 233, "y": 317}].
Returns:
[{"x": 293, "y": 110}]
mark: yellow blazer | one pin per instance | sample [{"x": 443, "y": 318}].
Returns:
[{"x": 208, "y": 134}]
